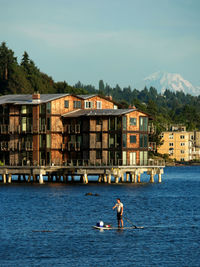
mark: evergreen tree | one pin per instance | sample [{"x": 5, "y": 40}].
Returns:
[{"x": 101, "y": 85}]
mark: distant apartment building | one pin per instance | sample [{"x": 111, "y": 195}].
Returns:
[
  {"x": 53, "y": 129},
  {"x": 180, "y": 144}
]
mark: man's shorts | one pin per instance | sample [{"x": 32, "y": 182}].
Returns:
[{"x": 119, "y": 216}]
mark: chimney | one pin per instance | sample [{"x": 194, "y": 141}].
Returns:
[
  {"x": 36, "y": 96},
  {"x": 109, "y": 97}
]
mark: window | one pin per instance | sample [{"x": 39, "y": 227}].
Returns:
[
  {"x": 48, "y": 123},
  {"x": 182, "y": 136},
  {"x": 171, "y": 144},
  {"x": 66, "y": 103},
  {"x": 49, "y": 107},
  {"x": 182, "y": 144},
  {"x": 99, "y": 121},
  {"x": 182, "y": 159},
  {"x": 112, "y": 123},
  {"x": 143, "y": 157},
  {"x": 171, "y": 136},
  {"x": 182, "y": 151},
  {"x": 124, "y": 122},
  {"x": 143, "y": 140},
  {"x": 42, "y": 109},
  {"x": 133, "y": 121},
  {"x": 24, "y": 124},
  {"x": 88, "y": 104},
  {"x": 98, "y": 137},
  {"x": 77, "y": 104},
  {"x": 144, "y": 124},
  {"x": 111, "y": 140},
  {"x": 48, "y": 140},
  {"x": 98, "y": 154},
  {"x": 132, "y": 139},
  {"x": 23, "y": 110},
  {"x": 124, "y": 140},
  {"x": 99, "y": 105}
]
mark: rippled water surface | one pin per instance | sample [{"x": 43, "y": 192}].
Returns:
[{"x": 51, "y": 224}]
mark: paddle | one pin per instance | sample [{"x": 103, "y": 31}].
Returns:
[{"x": 130, "y": 222}]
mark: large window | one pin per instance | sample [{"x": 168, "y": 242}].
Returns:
[
  {"x": 49, "y": 107},
  {"x": 88, "y": 104},
  {"x": 133, "y": 121},
  {"x": 143, "y": 140},
  {"x": 77, "y": 104},
  {"x": 99, "y": 105},
  {"x": 112, "y": 123},
  {"x": 23, "y": 110},
  {"x": 98, "y": 137},
  {"x": 111, "y": 140},
  {"x": 48, "y": 123},
  {"x": 66, "y": 103},
  {"x": 48, "y": 140},
  {"x": 43, "y": 109},
  {"x": 124, "y": 122},
  {"x": 23, "y": 124},
  {"x": 124, "y": 140},
  {"x": 132, "y": 139},
  {"x": 143, "y": 124},
  {"x": 143, "y": 157},
  {"x": 98, "y": 154}
]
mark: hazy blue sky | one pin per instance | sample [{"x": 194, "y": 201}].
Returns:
[{"x": 119, "y": 41}]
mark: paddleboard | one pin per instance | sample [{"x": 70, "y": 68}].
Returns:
[{"x": 116, "y": 228}]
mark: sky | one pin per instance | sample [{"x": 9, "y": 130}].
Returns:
[{"x": 118, "y": 41}]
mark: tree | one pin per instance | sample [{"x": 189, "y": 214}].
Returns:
[
  {"x": 101, "y": 85},
  {"x": 7, "y": 61}
]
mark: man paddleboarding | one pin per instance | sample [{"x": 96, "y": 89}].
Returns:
[{"x": 120, "y": 207}]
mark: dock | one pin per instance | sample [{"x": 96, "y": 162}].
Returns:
[{"x": 83, "y": 170}]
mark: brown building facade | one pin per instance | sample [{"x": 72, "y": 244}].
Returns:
[{"x": 55, "y": 129}]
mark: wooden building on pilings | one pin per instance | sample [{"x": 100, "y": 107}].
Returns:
[{"x": 72, "y": 131}]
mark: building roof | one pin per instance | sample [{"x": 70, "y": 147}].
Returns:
[
  {"x": 97, "y": 112},
  {"x": 85, "y": 97},
  {"x": 27, "y": 99}
]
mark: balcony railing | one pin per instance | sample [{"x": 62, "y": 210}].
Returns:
[
  {"x": 4, "y": 129},
  {"x": 4, "y": 146},
  {"x": 113, "y": 163},
  {"x": 72, "y": 128},
  {"x": 73, "y": 146}
]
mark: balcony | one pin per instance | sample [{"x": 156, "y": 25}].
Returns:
[
  {"x": 73, "y": 146},
  {"x": 4, "y": 146},
  {"x": 4, "y": 129},
  {"x": 73, "y": 128},
  {"x": 43, "y": 129}
]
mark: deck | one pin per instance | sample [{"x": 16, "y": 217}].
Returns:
[{"x": 84, "y": 169}]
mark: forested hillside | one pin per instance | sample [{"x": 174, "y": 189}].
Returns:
[{"x": 25, "y": 77}]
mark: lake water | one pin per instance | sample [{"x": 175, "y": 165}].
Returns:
[{"x": 51, "y": 224}]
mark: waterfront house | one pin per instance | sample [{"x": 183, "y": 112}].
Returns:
[{"x": 54, "y": 129}]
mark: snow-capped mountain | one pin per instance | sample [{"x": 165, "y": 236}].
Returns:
[{"x": 172, "y": 81}]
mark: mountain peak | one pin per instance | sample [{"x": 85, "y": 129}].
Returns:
[{"x": 173, "y": 81}]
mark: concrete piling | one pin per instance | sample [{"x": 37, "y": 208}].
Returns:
[
  {"x": 109, "y": 178},
  {"x": 120, "y": 174},
  {"x": 9, "y": 178}
]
